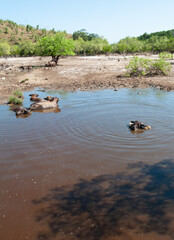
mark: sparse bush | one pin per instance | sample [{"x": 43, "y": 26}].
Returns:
[
  {"x": 161, "y": 67},
  {"x": 6, "y": 30},
  {"x": 14, "y": 100},
  {"x": 143, "y": 66},
  {"x": 18, "y": 94},
  {"x": 165, "y": 55},
  {"x": 29, "y": 28}
]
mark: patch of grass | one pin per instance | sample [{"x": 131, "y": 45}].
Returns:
[
  {"x": 138, "y": 67},
  {"x": 18, "y": 94},
  {"x": 14, "y": 100},
  {"x": 25, "y": 80}
]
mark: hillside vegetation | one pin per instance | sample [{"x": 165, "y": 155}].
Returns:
[{"x": 20, "y": 40}]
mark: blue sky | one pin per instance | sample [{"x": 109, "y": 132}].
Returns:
[{"x": 112, "y": 19}]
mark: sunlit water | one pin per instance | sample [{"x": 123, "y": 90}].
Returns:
[{"x": 87, "y": 139}]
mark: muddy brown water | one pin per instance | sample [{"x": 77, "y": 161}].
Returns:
[{"x": 79, "y": 173}]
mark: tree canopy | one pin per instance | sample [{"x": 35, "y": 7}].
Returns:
[
  {"x": 57, "y": 45},
  {"x": 84, "y": 35}
]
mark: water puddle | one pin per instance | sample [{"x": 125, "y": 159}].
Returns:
[{"x": 79, "y": 173}]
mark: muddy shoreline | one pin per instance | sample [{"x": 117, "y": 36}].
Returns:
[{"x": 73, "y": 74}]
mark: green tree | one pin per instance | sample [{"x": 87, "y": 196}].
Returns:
[
  {"x": 29, "y": 28},
  {"x": 14, "y": 50},
  {"x": 26, "y": 48},
  {"x": 55, "y": 46},
  {"x": 156, "y": 44},
  {"x": 129, "y": 45},
  {"x": 79, "y": 45},
  {"x": 4, "y": 49},
  {"x": 84, "y": 35},
  {"x": 170, "y": 45}
]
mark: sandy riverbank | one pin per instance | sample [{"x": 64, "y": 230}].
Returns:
[{"x": 72, "y": 74}]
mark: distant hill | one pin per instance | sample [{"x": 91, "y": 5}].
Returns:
[
  {"x": 14, "y": 33},
  {"x": 21, "y": 40},
  {"x": 169, "y": 34}
]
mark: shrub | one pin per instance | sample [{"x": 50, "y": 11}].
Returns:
[
  {"x": 4, "y": 49},
  {"x": 26, "y": 48},
  {"x": 143, "y": 66},
  {"x": 138, "y": 66},
  {"x": 161, "y": 67},
  {"x": 18, "y": 94},
  {"x": 14, "y": 100},
  {"x": 6, "y": 30},
  {"x": 165, "y": 55},
  {"x": 14, "y": 50}
]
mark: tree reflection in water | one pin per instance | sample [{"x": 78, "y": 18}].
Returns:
[{"x": 109, "y": 205}]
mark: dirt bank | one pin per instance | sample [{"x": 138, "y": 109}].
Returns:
[{"x": 73, "y": 73}]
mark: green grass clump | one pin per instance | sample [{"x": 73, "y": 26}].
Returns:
[
  {"x": 14, "y": 100},
  {"x": 138, "y": 67},
  {"x": 18, "y": 94}
]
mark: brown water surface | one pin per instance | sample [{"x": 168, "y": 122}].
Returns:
[{"x": 79, "y": 173}]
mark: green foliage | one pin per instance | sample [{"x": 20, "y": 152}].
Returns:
[
  {"x": 14, "y": 50},
  {"x": 25, "y": 80},
  {"x": 11, "y": 24},
  {"x": 14, "y": 100},
  {"x": 155, "y": 42},
  {"x": 168, "y": 34},
  {"x": 161, "y": 67},
  {"x": 26, "y": 48},
  {"x": 6, "y": 31},
  {"x": 44, "y": 31},
  {"x": 1, "y": 22},
  {"x": 18, "y": 94},
  {"x": 127, "y": 45},
  {"x": 28, "y": 37},
  {"x": 133, "y": 45},
  {"x": 166, "y": 55},
  {"x": 79, "y": 46},
  {"x": 138, "y": 66},
  {"x": 95, "y": 46},
  {"x": 84, "y": 35},
  {"x": 29, "y": 28},
  {"x": 4, "y": 49},
  {"x": 57, "y": 45},
  {"x": 170, "y": 45},
  {"x": 143, "y": 66}
]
